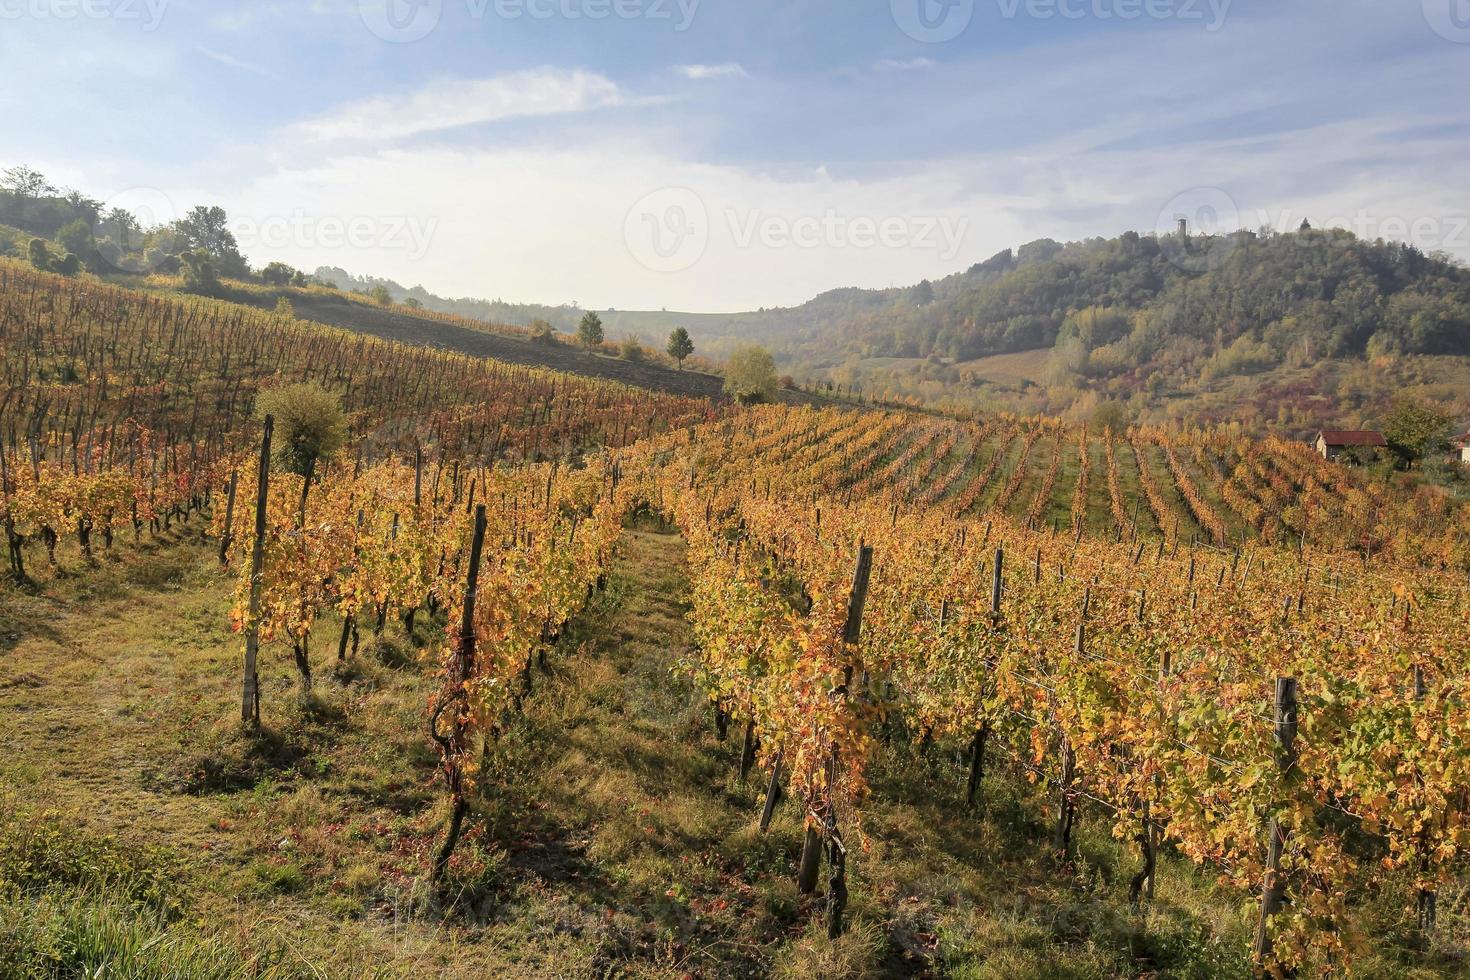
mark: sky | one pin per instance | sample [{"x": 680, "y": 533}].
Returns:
[{"x": 720, "y": 155}]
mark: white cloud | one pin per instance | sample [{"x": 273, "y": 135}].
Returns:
[
  {"x": 452, "y": 103},
  {"x": 543, "y": 224},
  {"x": 233, "y": 62},
  {"x": 699, "y": 73},
  {"x": 912, "y": 64}
]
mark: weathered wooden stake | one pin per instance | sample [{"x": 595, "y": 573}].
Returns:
[
  {"x": 1273, "y": 890},
  {"x": 811, "y": 859},
  {"x": 773, "y": 794},
  {"x": 996, "y": 581},
  {"x": 1427, "y": 898},
  {"x": 226, "y": 539},
  {"x": 747, "y": 751},
  {"x": 250, "y": 694}
]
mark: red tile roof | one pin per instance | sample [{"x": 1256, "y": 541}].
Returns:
[{"x": 1353, "y": 437}]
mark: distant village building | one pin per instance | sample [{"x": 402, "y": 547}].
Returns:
[
  {"x": 1462, "y": 448},
  {"x": 1363, "y": 443}
]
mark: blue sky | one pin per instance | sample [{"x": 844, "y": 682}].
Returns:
[{"x": 719, "y": 155}]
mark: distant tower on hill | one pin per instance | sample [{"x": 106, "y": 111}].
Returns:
[{"x": 1184, "y": 229}]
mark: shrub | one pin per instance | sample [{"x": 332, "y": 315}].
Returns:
[
  {"x": 39, "y": 254},
  {"x": 201, "y": 274},
  {"x": 310, "y": 424},
  {"x": 750, "y": 375}
]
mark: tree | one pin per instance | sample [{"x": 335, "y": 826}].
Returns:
[
  {"x": 123, "y": 227},
  {"x": 88, "y": 208},
  {"x": 39, "y": 254},
  {"x": 589, "y": 331},
  {"x": 24, "y": 182},
  {"x": 750, "y": 375},
  {"x": 68, "y": 264},
  {"x": 414, "y": 303},
  {"x": 680, "y": 346},
  {"x": 310, "y": 425},
  {"x": 77, "y": 238},
  {"x": 201, "y": 275},
  {"x": 1416, "y": 429},
  {"x": 542, "y": 332},
  {"x": 381, "y": 296},
  {"x": 278, "y": 274},
  {"x": 1110, "y": 416},
  {"x": 284, "y": 307},
  {"x": 207, "y": 229},
  {"x": 632, "y": 350}
]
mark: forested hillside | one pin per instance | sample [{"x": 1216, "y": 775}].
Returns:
[{"x": 1317, "y": 293}]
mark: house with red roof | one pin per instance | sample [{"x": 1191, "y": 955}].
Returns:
[{"x": 1363, "y": 444}]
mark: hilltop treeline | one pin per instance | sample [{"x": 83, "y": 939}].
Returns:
[{"x": 1325, "y": 293}]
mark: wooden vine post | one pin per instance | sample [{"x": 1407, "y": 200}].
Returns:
[
  {"x": 1066, "y": 797},
  {"x": 982, "y": 733},
  {"x": 228, "y": 537},
  {"x": 12, "y": 540},
  {"x": 1273, "y": 891},
  {"x": 836, "y": 850},
  {"x": 1427, "y": 899},
  {"x": 773, "y": 793},
  {"x": 250, "y": 695},
  {"x": 461, "y": 669}
]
